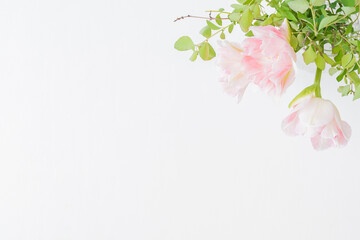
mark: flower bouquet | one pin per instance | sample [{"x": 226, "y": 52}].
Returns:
[{"x": 325, "y": 32}]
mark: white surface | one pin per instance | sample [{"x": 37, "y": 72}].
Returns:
[{"x": 106, "y": 132}]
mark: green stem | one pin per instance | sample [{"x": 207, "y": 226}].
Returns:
[
  {"x": 221, "y": 29},
  {"x": 218, "y": 11},
  {"x": 313, "y": 16},
  {"x": 317, "y": 82}
]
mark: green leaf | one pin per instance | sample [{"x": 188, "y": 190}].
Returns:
[
  {"x": 348, "y": 3},
  {"x": 348, "y": 10},
  {"x": 344, "y": 90},
  {"x": 323, "y": 12},
  {"x": 206, "y": 31},
  {"x": 222, "y": 35},
  {"x": 341, "y": 76},
  {"x": 319, "y": 61},
  {"x": 336, "y": 49},
  {"x": 294, "y": 42},
  {"x": 245, "y": 2},
  {"x": 206, "y": 51},
  {"x": 184, "y": 43},
  {"x": 268, "y": 21},
  {"x": 231, "y": 27},
  {"x": 194, "y": 56},
  {"x": 345, "y": 60},
  {"x": 317, "y": 2},
  {"x": 303, "y": 17},
  {"x": 303, "y": 93},
  {"x": 301, "y": 37},
  {"x": 357, "y": 92},
  {"x": 327, "y": 21},
  {"x": 218, "y": 19},
  {"x": 289, "y": 15},
  {"x": 329, "y": 60},
  {"x": 256, "y": 11},
  {"x": 338, "y": 57},
  {"x": 211, "y": 25},
  {"x": 332, "y": 71},
  {"x": 346, "y": 48},
  {"x": 249, "y": 34},
  {"x": 246, "y": 20},
  {"x": 294, "y": 26},
  {"x": 354, "y": 78},
  {"x": 309, "y": 55},
  {"x": 351, "y": 63},
  {"x": 234, "y": 17},
  {"x": 299, "y": 5},
  {"x": 333, "y": 4},
  {"x": 237, "y": 6},
  {"x": 349, "y": 29}
]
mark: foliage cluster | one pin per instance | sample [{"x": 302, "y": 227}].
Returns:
[{"x": 324, "y": 30}]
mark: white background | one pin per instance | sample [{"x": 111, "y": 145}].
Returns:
[{"x": 107, "y": 132}]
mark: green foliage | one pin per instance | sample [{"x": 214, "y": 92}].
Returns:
[
  {"x": 231, "y": 28},
  {"x": 294, "y": 42},
  {"x": 349, "y": 3},
  {"x": 357, "y": 92},
  {"x": 211, "y": 25},
  {"x": 316, "y": 3},
  {"x": 206, "y": 31},
  {"x": 222, "y": 35},
  {"x": 348, "y": 10},
  {"x": 303, "y": 93},
  {"x": 344, "y": 90},
  {"x": 319, "y": 61},
  {"x": 332, "y": 71},
  {"x": 206, "y": 51},
  {"x": 329, "y": 60},
  {"x": 354, "y": 78},
  {"x": 184, "y": 43},
  {"x": 218, "y": 19},
  {"x": 340, "y": 77},
  {"x": 246, "y": 20},
  {"x": 309, "y": 55},
  {"x": 299, "y": 5},
  {"x": 235, "y": 17},
  {"x": 323, "y": 31},
  {"x": 194, "y": 56},
  {"x": 326, "y": 21}
]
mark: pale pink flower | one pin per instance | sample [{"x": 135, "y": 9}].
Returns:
[
  {"x": 266, "y": 59},
  {"x": 318, "y": 119}
]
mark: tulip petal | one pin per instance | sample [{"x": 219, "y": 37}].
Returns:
[
  {"x": 320, "y": 120},
  {"x": 265, "y": 60}
]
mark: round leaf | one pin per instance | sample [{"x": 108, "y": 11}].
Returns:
[{"x": 184, "y": 43}]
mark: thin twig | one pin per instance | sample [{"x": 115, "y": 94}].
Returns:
[{"x": 190, "y": 16}]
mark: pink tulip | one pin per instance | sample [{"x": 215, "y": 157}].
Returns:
[
  {"x": 265, "y": 60},
  {"x": 318, "y": 119}
]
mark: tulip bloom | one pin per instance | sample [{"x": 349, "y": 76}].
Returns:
[
  {"x": 265, "y": 60},
  {"x": 318, "y": 119}
]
